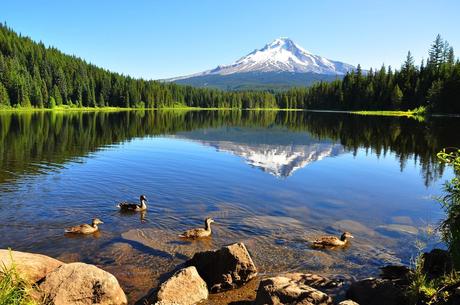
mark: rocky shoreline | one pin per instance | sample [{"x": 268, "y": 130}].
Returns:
[{"x": 208, "y": 274}]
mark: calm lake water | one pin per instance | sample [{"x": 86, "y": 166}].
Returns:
[{"x": 273, "y": 180}]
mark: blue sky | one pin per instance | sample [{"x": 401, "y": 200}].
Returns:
[{"x": 158, "y": 39}]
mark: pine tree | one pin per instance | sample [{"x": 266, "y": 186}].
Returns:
[{"x": 4, "y": 98}]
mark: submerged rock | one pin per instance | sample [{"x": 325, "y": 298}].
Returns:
[
  {"x": 392, "y": 230},
  {"x": 81, "y": 284},
  {"x": 348, "y": 225},
  {"x": 284, "y": 290},
  {"x": 185, "y": 287},
  {"x": 32, "y": 267},
  {"x": 227, "y": 268}
]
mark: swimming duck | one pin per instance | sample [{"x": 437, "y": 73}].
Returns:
[
  {"x": 85, "y": 228},
  {"x": 199, "y": 232},
  {"x": 332, "y": 241},
  {"x": 134, "y": 207}
]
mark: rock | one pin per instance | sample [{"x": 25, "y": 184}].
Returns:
[
  {"x": 347, "y": 225},
  {"x": 185, "y": 287},
  {"x": 437, "y": 263},
  {"x": 403, "y": 220},
  {"x": 313, "y": 280},
  {"x": 81, "y": 284},
  {"x": 373, "y": 291},
  {"x": 32, "y": 267},
  {"x": 329, "y": 286},
  {"x": 400, "y": 275},
  {"x": 284, "y": 290},
  {"x": 393, "y": 230},
  {"x": 227, "y": 268},
  {"x": 348, "y": 302}
]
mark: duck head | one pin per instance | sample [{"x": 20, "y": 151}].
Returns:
[
  {"x": 142, "y": 198},
  {"x": 207, "y": 222},
  {"x": 346, "y": 235},
  {"x": 97, "y": 221}
]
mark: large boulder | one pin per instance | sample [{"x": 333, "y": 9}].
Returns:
[
  {"x": 33, "y": 267},
  {"x": 284, "y": 290},
  {"x": 372, "y": 291},
  {"x": 185, "y": 287},
  {"x": 227, "y": 268},
  {"x": 81, "y": 284}
]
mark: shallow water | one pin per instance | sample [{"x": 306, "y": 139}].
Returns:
[{"x": 274, "y": 180}]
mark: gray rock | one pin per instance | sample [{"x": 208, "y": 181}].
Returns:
[
  {"x": 227, "y": 268},
  {"x": 81, "y": 284},
  {"x": 32, "y": 267},
  {"x": 284, "y": 290},
  {"x": 185, "y": 287}
]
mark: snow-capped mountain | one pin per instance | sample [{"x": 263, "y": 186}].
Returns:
[{"x": 282, "y": 56}]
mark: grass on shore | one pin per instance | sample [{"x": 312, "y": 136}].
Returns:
[
  {"x": 14, "y": 290},
  {"x": 420, "y": 111},
  {"x": 417, "y": 113}
]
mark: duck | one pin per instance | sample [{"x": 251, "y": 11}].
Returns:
[
  {"x": 134, "y": 207},
  {"x": 199, "y": 232},
  {"x": 85, "y": 228},
  {"x": 332, "y": 241}
]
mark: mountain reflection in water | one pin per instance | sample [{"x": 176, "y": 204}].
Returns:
[{"x": 275, "y": 150}]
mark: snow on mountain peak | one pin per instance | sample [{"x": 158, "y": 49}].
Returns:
[{"x": 282, "y": 55}]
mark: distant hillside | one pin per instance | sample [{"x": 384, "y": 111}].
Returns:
[{"x": 256, "y": 80}]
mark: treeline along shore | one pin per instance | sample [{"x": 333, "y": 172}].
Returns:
[{"x": 35, "y": 76}]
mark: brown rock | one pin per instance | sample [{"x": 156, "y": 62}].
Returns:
[
  {"x": 81, "y": 284},
  {"x": 32, "y": 267},
  {"x": 185, "y": 287},
  {"x": 227, "y": 268},
  {"x": 284, "y": 290},
  {"x": 313, "y": 280}
]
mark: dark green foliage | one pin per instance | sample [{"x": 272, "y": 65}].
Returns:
[
  {"x": 436, "y": 86},
  {"x": 33, "y": 74},
  {"x": 451, "y": 203},
  {"x": 4, "y": 98}
]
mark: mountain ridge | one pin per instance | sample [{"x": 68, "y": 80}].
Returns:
[{"x": 280, "y": 56}]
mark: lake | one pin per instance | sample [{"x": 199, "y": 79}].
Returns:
[{"x": 273, "y": 180}]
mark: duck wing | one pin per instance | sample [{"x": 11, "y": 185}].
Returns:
[
  {"x": 78, "y": 229},
  {"x": 193, "y": 233},
  {"x": 127, "y": 206},
  {"x": 327, "y": 241}
]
